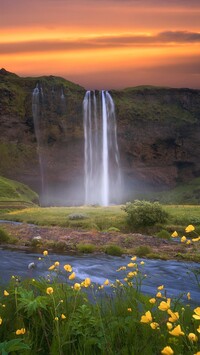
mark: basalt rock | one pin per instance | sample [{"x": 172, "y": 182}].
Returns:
[{"x": 158, "y": 136}]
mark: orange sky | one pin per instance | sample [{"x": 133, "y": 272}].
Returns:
[{"x": 103, "y": 43}]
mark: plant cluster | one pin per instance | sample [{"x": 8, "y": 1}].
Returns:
[
  {"x": 144, "y": 213},
  {"x": 61, "y": 315}
]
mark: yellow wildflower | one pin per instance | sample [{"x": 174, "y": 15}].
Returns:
[
  {"x": 20, "y": 331},
  {"x": 152, "y": 300},
  {"x": 160, "y": 287},
  {"x": 142, "y": 262},
  {"x": 56, "y": 263},
  {"x": 45, "y": 252},
  {"x": 134, "y": 258},
  {"x": 188, "y": 296},
  {"x": 106, "y": 282},
  {"x": 154, "y": 325},
  {"x": 131, "y": 264},
  {"x": 198, "y": 353},
  {"x": 164, "y": 306},
  {"x": 174, "y": 235},
  {"x": 183, "y": 239},
  {"x": 197, "y": 315},
  {"x": 188, "y": 242},
  {"x": 195, "y": 239},
  {"x": 169, "y": 325},
  {"x": 189, "y": 228},
  {"x": 198, "y": 329},
  {"x": 132, "y": 274},
  {"x": 192, "y": 337},
  {"x": 174, "y": 316},
  {"x": 167, "y": 351},
  {"x": 1, "y": 320},
  {"x": 51, "y": 267},
  {"x": 129, "y": 309},
  {"x": 122, "y": 268},
  {"x": 6, "y": 293},
  {"x": 147, "y": 318},
  {"x": 176, "y": 331},
  {"x": 68, "y": 268},
  {"x": 87, "y": 282},
  {"x": 63, "y": 316},
  {"x": 72, "y": 276},
  {"x": 159, "y": 295},
  {"x": 77, "y": 286},
  {"x": 56, "y": 319},
  {"x": 49, "y": 290}
]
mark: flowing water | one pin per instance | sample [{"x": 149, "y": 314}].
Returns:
[
  {"x": 101, "y": 153},
  {"x": 37, "y": 93},
  {"x": 176, "y": 276}
]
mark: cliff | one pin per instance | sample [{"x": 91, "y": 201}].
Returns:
[{"x": 158, "y": 136}]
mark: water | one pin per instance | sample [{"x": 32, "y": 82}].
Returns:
[
  {"x": 175, "y": 276},
  {"x": 37, "y": 92},
  {"x": 101, "y": 153}
]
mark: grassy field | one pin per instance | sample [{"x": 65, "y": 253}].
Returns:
[
  {"x": 15, "y": 193},
  {"x": 97, "y": 218}
]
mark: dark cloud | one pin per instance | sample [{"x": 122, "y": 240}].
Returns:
[{"x": 127, "y": 40}]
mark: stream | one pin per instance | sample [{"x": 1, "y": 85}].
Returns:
[{"x": 176, "y": 276}]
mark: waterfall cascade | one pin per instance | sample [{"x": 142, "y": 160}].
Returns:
[
  {"x": 37, "y": 93},
  {"x": 101, "y": 153}
]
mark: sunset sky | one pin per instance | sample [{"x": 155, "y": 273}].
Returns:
[{"x": 103, "y": 43}]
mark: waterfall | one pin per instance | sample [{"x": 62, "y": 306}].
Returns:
[
  {"x": 36, "y": 119},
  {"x": 101, "y": 153}
]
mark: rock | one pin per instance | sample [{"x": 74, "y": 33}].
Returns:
[{"x": 31, "y": 266}]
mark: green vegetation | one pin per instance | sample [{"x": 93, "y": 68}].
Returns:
[
  {"x": 86, "y": 248},
  {"x": 144, "y": 213},
  {"x": 67, "y": 317},
  {"x": 114, "y": 250},
  {"x": 4, "y": 237},
  {"x": 12, "y": 191},
  {"x": 142, "y": 251},
  {"x": 163, "y": 234}
]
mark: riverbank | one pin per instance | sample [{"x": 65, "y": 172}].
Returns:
[{"x": 67, "y": 240}]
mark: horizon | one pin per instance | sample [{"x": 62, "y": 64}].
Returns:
[{"x": 111, "y": 44}]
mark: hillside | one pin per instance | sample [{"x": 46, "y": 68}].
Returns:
[
  {"x": 13, "y": 192},
  {"x": 158, "y": 136}
]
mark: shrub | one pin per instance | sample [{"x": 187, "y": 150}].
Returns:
[
  {"x": 142, "y": 250},
  {"x": 113, "y": 229},
  {"x": 85, "y": 248},
  {"x": 144, "y": 213},
  {"x": 114, "y": 250},
  {"x": 163, "y": 234},
  {"x": 4, "y": 236}
]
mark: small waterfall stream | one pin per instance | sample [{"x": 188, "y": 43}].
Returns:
[{"x": 101, "y": 153}]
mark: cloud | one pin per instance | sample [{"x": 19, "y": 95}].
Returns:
[{"x": 99, "y": 42}]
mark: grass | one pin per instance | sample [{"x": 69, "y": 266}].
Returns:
[
  {"x": 13, "y": 192},
  {"x": 100, "y": 218},
  {"x": 60, "y": 317}
]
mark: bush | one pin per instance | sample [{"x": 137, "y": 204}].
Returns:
[
  {"x": 86, "y": 248},
  {"x": 77, "y": 216},
  {"x": 163, "y": 234},
  {"x": 142, "y": 251},
  {"x": 113, "y": 250},
  {"x": 4, "y": 236},
  {"x": 144, "y": 213}
]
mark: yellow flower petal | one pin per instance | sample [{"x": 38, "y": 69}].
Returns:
[
  {"x": 63, "y": 316},
  {"x": 152, "y": 300},
  {"x": 176, "y": 331},
  {"x": 77, "y": 286},
  {"x": 147, "y": 318},
  {"x": 1, "y": 320},
  {"x": 189, "y": 228},
  {"x": 49, "y": 290},
  {"x": 154, "y": 325},
  {"x": 167, "y": 351},
  {"x": 160, "y": 287},
  {"x": 183, "y": 239},
  {"x": 164, "y": 306},
  {"x": 68, "y": 268},
  {"x": 51, "y": 267},
  {"x": 45, "y": 252},
  {"x": 6, "y": 293},
  {"x": 192, "y": 337},
  {"x": 174, "y": 235},
  {"x": 72, "y": 276}
]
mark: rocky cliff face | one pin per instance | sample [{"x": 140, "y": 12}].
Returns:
[{"x": 158, "y": 136}]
